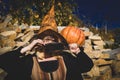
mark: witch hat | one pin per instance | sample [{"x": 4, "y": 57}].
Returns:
[{"x": 48, "y": 21}]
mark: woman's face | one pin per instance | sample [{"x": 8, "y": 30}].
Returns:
[{"x": 48, "y": 39}]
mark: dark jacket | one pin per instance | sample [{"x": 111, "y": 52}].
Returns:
[
  {"x": 77, "y": 65},
  {"x": 16, "y": 65},
  {"x": 19, "y": 67}
]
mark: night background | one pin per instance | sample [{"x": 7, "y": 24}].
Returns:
[
  {"x": 96, "y": 12},
  {"x": 99, "y": 12}
]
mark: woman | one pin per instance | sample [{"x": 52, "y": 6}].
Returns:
[{"x": 52, "y": 59}]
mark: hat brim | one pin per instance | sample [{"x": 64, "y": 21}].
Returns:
[{"x": 54, "y": 34}]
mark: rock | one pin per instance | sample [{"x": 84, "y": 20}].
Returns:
[{"x": 5, "y": 49}]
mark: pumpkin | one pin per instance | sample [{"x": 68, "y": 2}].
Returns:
[{"x": 73, "y": 35}]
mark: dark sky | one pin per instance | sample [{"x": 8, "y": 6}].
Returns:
[{"x": 100, "y": 12}]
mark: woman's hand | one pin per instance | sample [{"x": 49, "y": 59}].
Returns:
[
  {"x": 74, "y": 48},
  {"x": 31, "y": 45}
]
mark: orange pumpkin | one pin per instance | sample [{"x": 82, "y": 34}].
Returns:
[{"x": 73, "y": 35}]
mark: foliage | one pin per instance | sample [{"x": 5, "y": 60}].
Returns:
[
  {"x": 33, "y": 11},
  {"x": 93, "y": 29},
  {"x": 107, "y": 37},
  {"x": 116, "y": 37}
]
